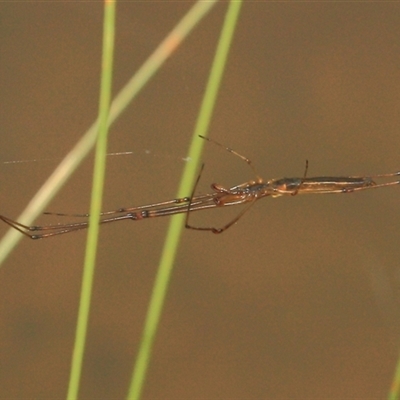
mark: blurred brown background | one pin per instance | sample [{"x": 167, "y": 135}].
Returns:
[{"x": 300, "y": 298}]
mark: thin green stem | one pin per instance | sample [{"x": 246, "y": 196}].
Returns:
[
  {"x": 96, "y": 200},
  {"x": 175, "y": 228},
  {"x": 394, "y": 393}
]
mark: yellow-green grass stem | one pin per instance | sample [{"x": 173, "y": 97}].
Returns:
[{"x": 75, "y": 157}]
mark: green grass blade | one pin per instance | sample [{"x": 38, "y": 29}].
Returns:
[
  {"x": 74, "y": 158},
  {"x": 185, "y": 187},
  {"x": 97, "y": 194},
  {"x": 394, "y": 393}
]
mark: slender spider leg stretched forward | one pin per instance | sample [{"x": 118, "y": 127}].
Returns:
[{"x": 245, "y": 193}]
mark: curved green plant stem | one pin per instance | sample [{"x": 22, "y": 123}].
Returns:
[
  {"x": 185, "y": 187},
  {"x": 74, "y": 158},
  {"x": 394, "y": 393},
  {"x": 97, "y": 194}
]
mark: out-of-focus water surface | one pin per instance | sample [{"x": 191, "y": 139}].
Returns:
[{"x": 300, "y": 298}]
